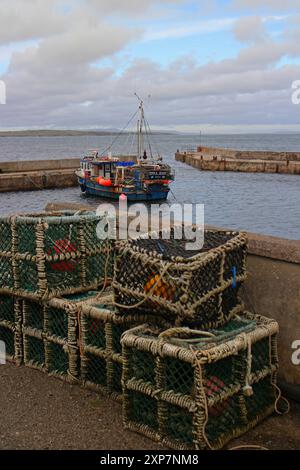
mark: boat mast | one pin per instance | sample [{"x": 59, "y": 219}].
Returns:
[{"x": 140, "y": 128}]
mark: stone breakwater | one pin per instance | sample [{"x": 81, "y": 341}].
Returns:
[
  {"x": 40, "y": 174},
  {"x": 219, "y": 159},
  {"x": 43, "y": 174}
]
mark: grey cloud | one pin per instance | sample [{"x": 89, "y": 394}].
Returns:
[
  {"x": 48, "y": 84},
  {"x": 129, "y": 6},
  {"x": 250, "y": 28},
  {"x": 38, "y": 19},
  {"x": 278, "y": 4}
]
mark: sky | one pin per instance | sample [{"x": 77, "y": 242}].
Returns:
[{"x": 215, "y": 66}]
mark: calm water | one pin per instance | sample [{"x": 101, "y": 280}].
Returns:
[{"x": 262, "y": 203}]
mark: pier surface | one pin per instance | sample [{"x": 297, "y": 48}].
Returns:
[
  {"x": 220, "y": 159},
  {"x": 42, "y": 174},
  {"x": 41, "y": 412}
]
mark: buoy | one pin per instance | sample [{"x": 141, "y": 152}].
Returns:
[
  {"x": 214, "y": 385},
  {"x": 62, "y": 247},
  {"x": 103, "y": 182},
  {"x": 162, "y": 289}
]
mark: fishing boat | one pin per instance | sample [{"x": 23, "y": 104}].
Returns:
[{"x": 140, "y": 177}]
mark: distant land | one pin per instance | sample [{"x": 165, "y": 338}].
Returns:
[{"x": 66, "y": 133}]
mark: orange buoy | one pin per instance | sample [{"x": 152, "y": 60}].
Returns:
[
  {"x": 104, "y": 182},
  {"x": 162, "y": 289}
]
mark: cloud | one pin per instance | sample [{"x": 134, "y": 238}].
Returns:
[
  {"x": 250, "y": 28},
  {"x": 180, "y": 31},
  {"x": 38, "y": 19},
  {"x": 55, "y": 82},
  {"x": 272, "y": 4},
  {"x": 230, "y": 92},
  {"x": 130, "y": 7},
  {"x": 83, "y": 43}
]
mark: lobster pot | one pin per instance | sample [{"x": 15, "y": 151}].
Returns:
[
  {"x": 11, "y": 328},
  {"x": 161, "y": 277},
  {"x": 100, "y": 335},
  {"x": 50, "y": 334},
  {"x": 52, "y": 254},
  {"x": 192, "y": 390}
]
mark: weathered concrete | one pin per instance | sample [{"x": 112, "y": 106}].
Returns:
[
  {"x": 248, "y": 154},
  {"x": 41, "y": 174},
  {"x": 41, "y": 412},
  {"x": 37, "y": 180},
  {"x": 273, "y": 289},
  {"x": 222, "y": 163},
  {"x": 39, "y": 165}
]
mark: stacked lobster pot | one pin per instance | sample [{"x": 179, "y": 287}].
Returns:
[
  {"x": 100, "y": 332},
  {"x": 211, "y": 376},
  {"x": 170, "y": 338},
  {"x": 48, "y": 261},
  {"x": 186, "y": 287}
]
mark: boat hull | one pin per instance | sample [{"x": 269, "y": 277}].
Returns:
[{"x": 156, "y": 193}]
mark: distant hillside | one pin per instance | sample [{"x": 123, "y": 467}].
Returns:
[{"x": 63, "y": 133}]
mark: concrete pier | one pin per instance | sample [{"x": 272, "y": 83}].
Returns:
[
  {"x": 41, "y": 174},
  {"x": 218, "y": 159}
]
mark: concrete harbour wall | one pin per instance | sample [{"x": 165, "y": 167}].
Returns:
[
  {"x": 249, "y": 154},
  {"x": 221, "y": 162},
  {"x": 41, "y": 174}
]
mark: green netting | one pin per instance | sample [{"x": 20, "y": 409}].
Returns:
[
  {"x": 34, "y": 352},
  {"x": 143, "y": 410},
  {"x": 117, "y": 332},
  {"x": 8, "y": 337},
  {"x": 93, "y": 333},
  {"x": 53, "y": 254},
  {"x": 50, "y": 337},
  {"x": 7, "y": 308},
  {"x": 100, "y": 350},
  {"x": 178, "y": 376},
  {"x": 100, "y": 333},
  {"x": 33, "y": 315},
  {"x": 57, "y": 359},
  {"x": 94, "y": 369},
  {"x": 10, "y": 327},
  {"x": 224, "y": 419},
  {"x": 264, "y": 395},
  {"x": 6, "y": 274},
  {"x": 142, "y": 366},
  {"x": 260, "y": 354},
  {"x": 57, "y": 323},
  {"x": 160, "y": 277},
  {"x": 115, "y": 379},
  {"x": 180, "y": 425},
  {"x": 5, "y": 236},
  {"x": 208, "y": 386}
]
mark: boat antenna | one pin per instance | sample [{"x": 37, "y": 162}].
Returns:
[{"x": 140, "y": 127}]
